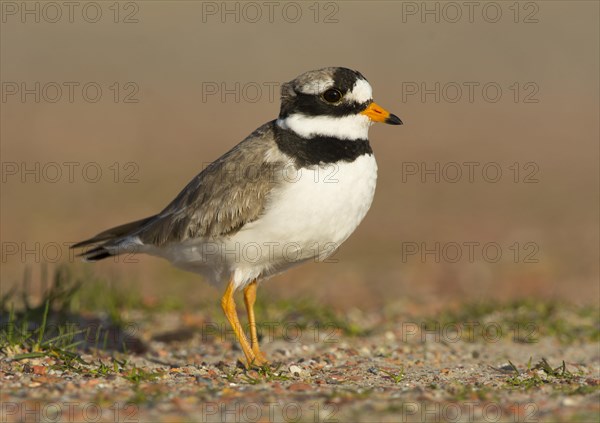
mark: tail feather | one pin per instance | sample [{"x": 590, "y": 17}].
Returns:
[
  {"x": 95, "y": 254},
  {"x": 109, "y": 243},
  {"x": 114, "y": 233}
]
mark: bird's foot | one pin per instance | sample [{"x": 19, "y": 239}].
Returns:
[
  {"x": 259, "y": 358},
  {"x": 256, "y": 361}
]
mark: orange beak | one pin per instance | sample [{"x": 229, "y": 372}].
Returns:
[{"x": 378, "y": 114}]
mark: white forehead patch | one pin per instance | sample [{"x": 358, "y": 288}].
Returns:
[{"x": 361, "y": 92}]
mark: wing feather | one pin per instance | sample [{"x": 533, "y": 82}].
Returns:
[{"x": 230, "y": 192}]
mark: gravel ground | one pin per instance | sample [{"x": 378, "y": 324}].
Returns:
[{"x": 184, "y": 367}]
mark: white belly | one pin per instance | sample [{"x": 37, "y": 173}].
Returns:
[{"x": 307, "y": 218}]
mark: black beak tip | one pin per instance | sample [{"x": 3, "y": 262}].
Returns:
[{"x": 393, "y": 120}]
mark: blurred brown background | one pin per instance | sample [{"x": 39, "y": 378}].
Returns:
[{"x": 546, "y": 121}]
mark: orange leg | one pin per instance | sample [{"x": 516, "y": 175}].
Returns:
[
  {"x": 250, "y": 299},
  {"x": 228, "y": 305}
]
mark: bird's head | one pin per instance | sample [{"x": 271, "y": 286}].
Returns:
[{"x": 333, "y": 102}]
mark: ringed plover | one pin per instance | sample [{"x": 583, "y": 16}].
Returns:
[{"x": 292, "y": 191}]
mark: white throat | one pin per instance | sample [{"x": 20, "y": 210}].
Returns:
[{"x": 352, "y": 127}]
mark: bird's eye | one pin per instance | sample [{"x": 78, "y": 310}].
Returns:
[{"x": 332, "y": 95}]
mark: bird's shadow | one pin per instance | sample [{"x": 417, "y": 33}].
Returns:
[{"x": 50, "y": 325}]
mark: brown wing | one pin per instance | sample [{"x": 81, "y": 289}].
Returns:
[{"x": 229, "y": 193}]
